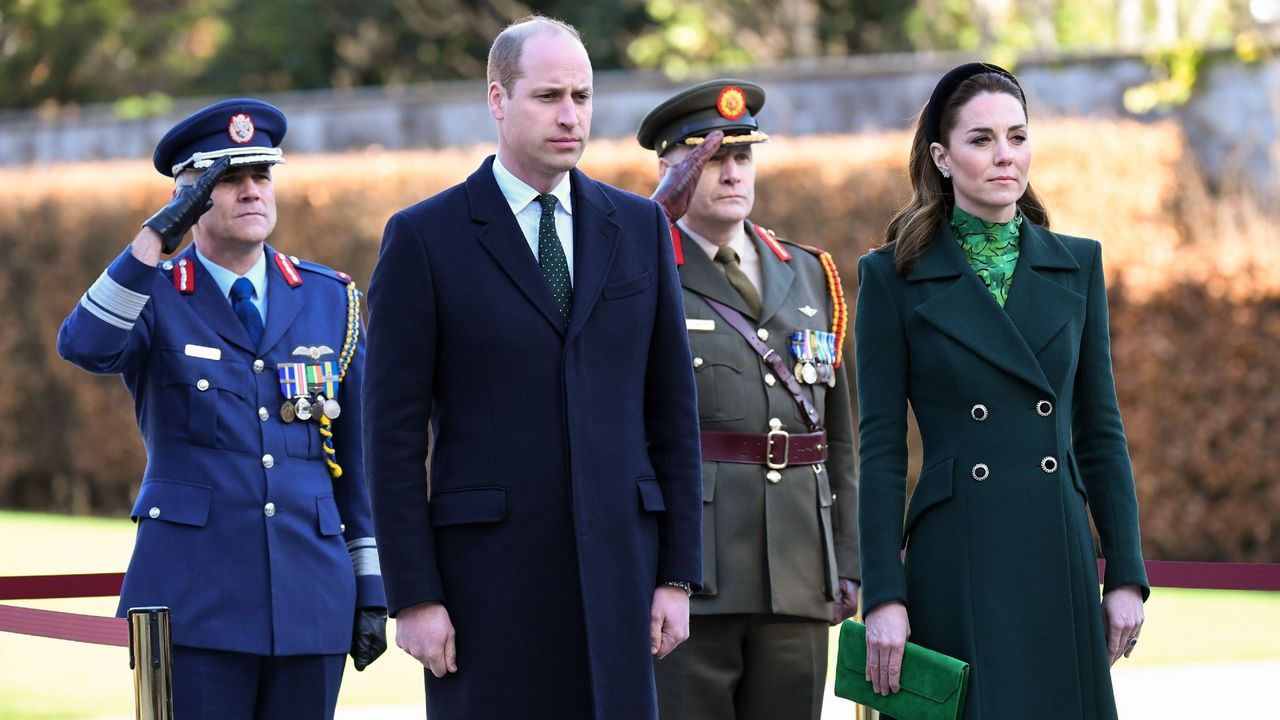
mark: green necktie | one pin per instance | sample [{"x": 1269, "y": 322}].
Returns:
[
  {"x": 555, "y": 268},
  {"x": 738, "y": 279}
]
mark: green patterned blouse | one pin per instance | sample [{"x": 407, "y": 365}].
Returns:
[{"x": 991, "y": 248}]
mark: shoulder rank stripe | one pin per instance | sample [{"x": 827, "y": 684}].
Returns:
[
  {"x": 677, "y": 244},
  {"x": 287, "y": 269},
  {"x": 184, "y": 277},
  {"x": 772, "y": 241}
]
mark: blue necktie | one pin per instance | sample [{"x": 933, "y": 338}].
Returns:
[
  {"x": 555, "y": 267},
  {"x": 242, "y": 303}
]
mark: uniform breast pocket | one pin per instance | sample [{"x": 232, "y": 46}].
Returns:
[
  {"x": 718, "y": 367},
  {"x": 208, "y": 401}
]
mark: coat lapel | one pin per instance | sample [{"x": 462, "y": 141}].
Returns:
[
  {"x": 502, "y": 238},
  {"x": 212, "y": 306},
  {"x": 1038, "y": 306},
  {"x": 964, "y": 310},
  {"x": 283, "y": 303},
  {"x": 700, "y": 275},
  {"x": 595, "y": 240},
  {"x": 775, "y": 275}
]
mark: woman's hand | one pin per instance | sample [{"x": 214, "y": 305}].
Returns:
[
  {"x": 887, "y": 633},
  {"x": 1122, "y": 609}
]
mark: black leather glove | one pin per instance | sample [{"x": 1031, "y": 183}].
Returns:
[
  {"x": 677, "y": 186},
  {"x": 369, "y": 636},
  {"x": 175, "y": 219},
  {"x": 846, "y": 605}
]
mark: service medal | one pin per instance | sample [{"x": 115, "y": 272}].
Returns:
[
  {"x": 810, "y": 373},
  {"x": 302, "y": 408},
  {"x": 287, "y": 413},
  {"x": 332, "y": 409}
]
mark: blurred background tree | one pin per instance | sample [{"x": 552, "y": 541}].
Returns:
[{"x": 58, "y": 54}]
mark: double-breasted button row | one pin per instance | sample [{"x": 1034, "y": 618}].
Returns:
[
  {"x": 979, "y": 412},
  {"x": 980, "y": 472}
]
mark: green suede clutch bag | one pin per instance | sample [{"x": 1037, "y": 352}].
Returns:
[{"x": 933, "y": 684}]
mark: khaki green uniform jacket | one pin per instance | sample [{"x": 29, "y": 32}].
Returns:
[{"x": 769, "y": 547}]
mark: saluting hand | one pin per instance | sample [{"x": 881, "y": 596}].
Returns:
[
  {"x": 675, "y": 190},
  {"x": 188, "y": 204},
  {"x": 426, "y": 632},
  {"x": 887, "y": 633}
]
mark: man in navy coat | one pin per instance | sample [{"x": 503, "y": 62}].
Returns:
[
  {"x": 244, "y": 365},
  {"x": 526, "y": 327}
]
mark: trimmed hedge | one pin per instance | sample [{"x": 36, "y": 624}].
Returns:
[{"x": 1194, "y": 283}]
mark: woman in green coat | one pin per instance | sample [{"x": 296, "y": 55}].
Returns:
[{"x": 994, "y": 330}]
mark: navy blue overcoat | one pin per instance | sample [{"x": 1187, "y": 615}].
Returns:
[
  {"x": 1022, "y": 444},
  {"x": 242, "y": 532},
  {"x": 564, "y": 462}
]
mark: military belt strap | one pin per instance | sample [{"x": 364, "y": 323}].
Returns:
[
  {"x": 775, "y": 449},
  {"x": 770, "y": 358}
]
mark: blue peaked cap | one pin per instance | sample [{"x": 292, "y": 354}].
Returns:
[{"x": 248, "y": 131}]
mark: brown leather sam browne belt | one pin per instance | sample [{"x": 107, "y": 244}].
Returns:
[{"x": 775, "y": 449}]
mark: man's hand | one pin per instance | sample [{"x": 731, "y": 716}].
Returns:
[
  {"x": 668, "y": 620},
  {"x": 846, "y": 605},
  {"x": 368, "y": 636},
  {"x": 675, "y": 190},
  {"x": 887, "y": 633},
  {"x": 425, "y": 632},
  {"x": 188, "y": 204},
  {"x": 1123, "y": 612}
]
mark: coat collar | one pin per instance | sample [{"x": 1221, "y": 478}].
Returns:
[
  {"x": 700, "y": 275},
  {"x": 283, "y": 305},
  {"x": 1036, "y": 310},
  {"x": 595, "y": 239}
]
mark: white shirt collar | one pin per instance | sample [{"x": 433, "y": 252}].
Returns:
[
  {"x": 519, "y": 193},
  {"x": 224, "y": 277}
]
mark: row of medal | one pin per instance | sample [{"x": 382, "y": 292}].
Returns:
[
  {"x": 815, "y": 354},
  {"x": 309, "y": 391}
]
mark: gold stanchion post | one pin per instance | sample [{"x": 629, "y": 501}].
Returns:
[{"x": 150, "y": 658}]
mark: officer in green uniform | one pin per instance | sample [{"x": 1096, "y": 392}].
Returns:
[{"x": 766, "y": 320}]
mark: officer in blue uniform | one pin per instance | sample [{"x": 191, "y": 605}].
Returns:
[{"x": 244, "y": 365}]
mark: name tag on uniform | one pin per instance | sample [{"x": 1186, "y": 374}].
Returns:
[
  {"x": 201, "y": 351},
  {"x": 696, "y": 325}
]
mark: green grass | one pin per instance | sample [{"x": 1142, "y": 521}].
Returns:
[{"x": 43, "y": 679}]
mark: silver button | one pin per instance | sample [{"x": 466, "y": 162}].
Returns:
[
  {"x": 1044, "y": 408},
  {"x": 263, "y": 414},
  {"x": 167, "y": 265},
  {"x": 153, "y": 513},
  {"x": 268, "y": 461},
  {"x": 258, "y": 365},
  {"x": 697, "y": 362},
  {"x": 762, "y": 334},
  {"x": 202, "y": 384},
  {"x": 295, "y": 259},
  {"x": 773, "y": 476},
  {"x": 978, "y": 412},
  {"x": 269, "y": 509},
  {"x": 1049, "y": 464},
  {"x": 980, "y": 472},
  {"x": 342, "y": 527},
  {"x": 769, "y": 379}
]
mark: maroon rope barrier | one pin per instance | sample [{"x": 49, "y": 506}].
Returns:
[
  {"x": 1209, "y": 575},
  {"x": 32, "y": 587},
  {"x": 64, "y": 626}
]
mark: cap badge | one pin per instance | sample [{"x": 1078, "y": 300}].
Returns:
[
  {"x": 732, "y": 103},
  {"x": 240, "y": 128}
]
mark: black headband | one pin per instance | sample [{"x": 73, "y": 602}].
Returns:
[{"x": 948, "y": 84}]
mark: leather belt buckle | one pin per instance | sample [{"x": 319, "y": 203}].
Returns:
[{"x": 776, "y": 431}]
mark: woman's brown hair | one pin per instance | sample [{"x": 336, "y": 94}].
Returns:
[{"x": 912, "y": 229}]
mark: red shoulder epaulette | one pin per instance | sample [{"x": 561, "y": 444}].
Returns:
[
  {"x": 184, "y": 276},
  {"x": 772, "y": 241},
  {"x": 287, "y": 269},
  {"x": 677, "y": 244}
]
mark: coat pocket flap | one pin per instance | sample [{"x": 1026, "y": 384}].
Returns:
[
  {"x": 628, "y": 287},
  {"x": 174, "y": 502},
  {"x": 327, "y": 515},
  {"x": 651, "y": 495},
  {"x": 934, "y": 487},
  {"x": 468, "y": 506},
  {"x": 204, "y": 375}
]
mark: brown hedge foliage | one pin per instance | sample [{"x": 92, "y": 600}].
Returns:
[{"x": 1194, "y": 285}]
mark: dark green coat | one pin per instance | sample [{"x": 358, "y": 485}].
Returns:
[
  {"x": 1000, "y": 571},
  {"x": 769, "y": 547}
]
